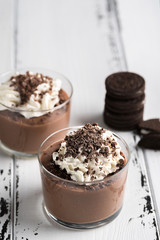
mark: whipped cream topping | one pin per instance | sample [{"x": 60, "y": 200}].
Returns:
[
  {"x": 89, "y": 154},
  {"x": 31, "y": 94}
]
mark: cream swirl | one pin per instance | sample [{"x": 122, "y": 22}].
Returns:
[
  {"x": 42, "y": 100},
  {"x": 96, "y": 165}
]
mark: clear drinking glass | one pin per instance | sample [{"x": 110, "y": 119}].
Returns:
[
  {"x": 80, "y": 205},
  {"x": 22, "y": 136}
]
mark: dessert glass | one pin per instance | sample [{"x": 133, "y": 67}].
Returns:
[
  {"x": 80, "y": 205},
  {"x": 22, "y": 136}
]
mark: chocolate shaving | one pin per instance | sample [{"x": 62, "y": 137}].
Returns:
[
  {"x": 88, "y": 142},
  {"x": 62, "y": 97},
  {"x": 104, "y": 151},
  {"x": 76, "y": 169},
  {"x": 27, "y": 83},
  {"x": 120, "y": 163}
]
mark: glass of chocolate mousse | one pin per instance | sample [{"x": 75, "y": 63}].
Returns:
[
  {"x": 33, "y": 104},
  {"x": 83, "y": 171}
]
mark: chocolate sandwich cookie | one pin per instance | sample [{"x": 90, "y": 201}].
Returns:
[
  {"x": 149, "y": 126},
  {"x": 150, "y": 141},
  {"x": 123, "y": 121},
  {"x": 119, "y": 126},
  {"x": 125, "y": 85},
  {"x": 124, "y": 101},
  {"x": 124, "y": 105}
]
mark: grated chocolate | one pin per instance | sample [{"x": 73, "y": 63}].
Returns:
[
  {"x": 88, "y": 142},
  {"x": 27, "y": 83}
]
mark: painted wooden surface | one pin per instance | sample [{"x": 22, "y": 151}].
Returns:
[
  {"x": 141, "y": 38},
  {"x": 6, "y": 166},
  {"x": 83, "y": 42}
]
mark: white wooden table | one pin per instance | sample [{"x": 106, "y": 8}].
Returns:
[{"x": 86, "y": 40}]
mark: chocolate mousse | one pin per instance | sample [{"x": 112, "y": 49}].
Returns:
[
  {"x": 83, "y": 177},
  {"x": 32, "y": 106}
]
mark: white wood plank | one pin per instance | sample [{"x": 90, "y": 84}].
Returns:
[
  {"x": 141, "y": 36},
  {"x": 62, "y": 43},
  {"x": 5, "y": 196},
  {"x": 140, "y": 21},
  {"x": 78, "y": 41},
  {"x": 7, "y": 35},
  {"x": 6, "y": 166}
]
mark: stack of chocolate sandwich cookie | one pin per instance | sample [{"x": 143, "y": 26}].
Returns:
[
  {"x": 124, "y": 101},
  {"x": 150, "y": 131}
]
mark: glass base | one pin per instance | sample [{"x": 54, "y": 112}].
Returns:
[
  {"x": 85, "y": 225},
  {"x": 11, "y": 152}
]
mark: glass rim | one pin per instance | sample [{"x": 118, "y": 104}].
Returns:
[
  {"x": 83, "y": 183},
  {"x": 14, "y": 109}
]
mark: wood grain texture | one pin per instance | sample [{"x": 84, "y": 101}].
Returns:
[
  {"x": 141, "y": 37},
  {"x": 7, "y": 35},
  {"x": 6, "y": 174},
  {"x": 73, "y": 39},
  {"x": 6, "y": 166}
]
